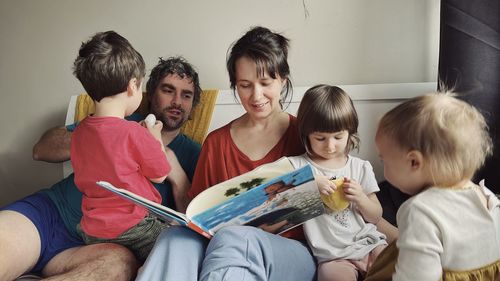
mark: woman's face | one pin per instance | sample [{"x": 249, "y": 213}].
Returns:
[{"x": 260, "y": 96}]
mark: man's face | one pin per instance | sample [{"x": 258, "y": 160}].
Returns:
[{"x": 172, "y": 101}]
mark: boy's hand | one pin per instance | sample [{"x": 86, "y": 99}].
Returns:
[
  {"x": 150, "y": 120},
  {"x": 155, "y": 130}
]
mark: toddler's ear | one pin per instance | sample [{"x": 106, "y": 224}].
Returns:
[
  {"x": 132, "y": 86},
  {"x": 416, "y": 159}
]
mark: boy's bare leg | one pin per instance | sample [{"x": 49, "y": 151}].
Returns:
[
  {"x": 92, "y": 262},
  {"x": 19, "y": 245}
]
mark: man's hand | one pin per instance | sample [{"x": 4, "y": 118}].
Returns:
[{"x": 53, "y": 146}]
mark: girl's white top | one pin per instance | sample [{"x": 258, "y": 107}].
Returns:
[{"x": 345, "y": 234}]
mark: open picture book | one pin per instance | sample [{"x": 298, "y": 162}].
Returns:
[{"x": 274, "y": 197}]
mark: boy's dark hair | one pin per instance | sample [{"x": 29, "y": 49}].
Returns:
[
  {"x": 174, "y": 65},
  {"x": 269, "y": 51},
  {"x": 106, "y": 63},
  {"x": 328, "y": 109}
]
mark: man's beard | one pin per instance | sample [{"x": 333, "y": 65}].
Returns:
[{"x": 168, "y": 123}]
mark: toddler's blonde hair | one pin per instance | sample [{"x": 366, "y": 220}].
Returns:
[{"x": 451, "y": 134}]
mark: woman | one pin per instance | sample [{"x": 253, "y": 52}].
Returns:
[{"x": 260, "y": 75}]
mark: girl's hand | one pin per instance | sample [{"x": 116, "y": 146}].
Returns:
[
  {"x": 367, "y": 204},
  {"x": 353, "y": 191},
  {"x": 325, "y": 186}
]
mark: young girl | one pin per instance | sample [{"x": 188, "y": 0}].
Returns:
[
  {"x": 344, "y": 242},
  {"x": 431, "y": 147}
]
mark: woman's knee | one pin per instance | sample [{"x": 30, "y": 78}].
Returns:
[
  {"x": 237, "y": 234},
  {"x": 237, "y": 242}
]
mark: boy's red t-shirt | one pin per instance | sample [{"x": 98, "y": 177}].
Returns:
[
  {"x": 220, "y": 160},
  {"x": 120, "y": 152}
]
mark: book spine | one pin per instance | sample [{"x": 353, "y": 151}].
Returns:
[{"x": 199, "y": 230}]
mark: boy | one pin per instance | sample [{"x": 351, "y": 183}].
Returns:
[{"x": 106, "y": 147}]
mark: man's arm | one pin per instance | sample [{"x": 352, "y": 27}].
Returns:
[
  {"x": 53, "y": 146},
  {"x": 179, "y": 181}
]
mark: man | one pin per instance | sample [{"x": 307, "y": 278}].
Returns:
[{"x": 38, "y": 233}]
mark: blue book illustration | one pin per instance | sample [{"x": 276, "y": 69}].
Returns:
[{"x": 274, "y": 197}]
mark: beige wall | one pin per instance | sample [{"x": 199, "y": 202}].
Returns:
[{"x": 332, "y": 41}]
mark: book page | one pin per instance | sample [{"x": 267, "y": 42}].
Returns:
[
  {"x": 231, "y": 188},
  {"x": 275, "y": 206},
  {"x": 166, "y": 214}
]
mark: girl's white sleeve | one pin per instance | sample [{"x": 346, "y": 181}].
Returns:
[{"x": 367, "y": 178}]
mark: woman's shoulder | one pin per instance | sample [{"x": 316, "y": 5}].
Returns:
[
  {"x": 219, "y": 133},
  {"x": 292, "y": 119},
  {"x": 293, "y": 126}
]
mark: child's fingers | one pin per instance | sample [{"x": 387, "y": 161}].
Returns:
[
  {"x": 324, "y": 192},
  {"x": 332, "y": 185},
  {"x": 325, "y": 189},
  {"x": 350, "y": 181},
  {"x": 158, "y": 124},
  {"x": 347, "y": 190}
]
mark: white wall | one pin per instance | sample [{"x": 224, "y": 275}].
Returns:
[{"x": 332, "y": 41}]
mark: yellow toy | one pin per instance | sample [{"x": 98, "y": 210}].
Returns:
[{"x": 336, "y": 201}]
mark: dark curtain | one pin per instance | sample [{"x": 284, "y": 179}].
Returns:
[{"x": 469, "y": 62}]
